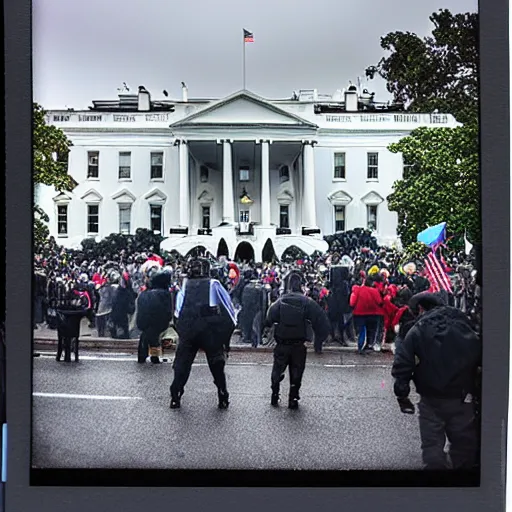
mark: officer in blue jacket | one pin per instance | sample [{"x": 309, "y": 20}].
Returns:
[{"x": 205, "y": 320}]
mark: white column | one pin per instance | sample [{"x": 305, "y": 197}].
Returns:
[
  {"x": 228, "y": 206},
  {"x": 184, "y": 185},
  {"x": 265, "y": 184},
  {"x": 308, "y": 200}
]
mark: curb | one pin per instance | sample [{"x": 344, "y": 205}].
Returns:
[{"x": 132, "y": 345}]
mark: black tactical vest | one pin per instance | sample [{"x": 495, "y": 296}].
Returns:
[
  {"x": 292, "y": 322},
  {"x": 196, "y": 314}
]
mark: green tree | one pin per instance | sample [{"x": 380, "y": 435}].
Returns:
[
  {"x": 436, "y": 72},
  {"x": 441, "y": 165},
  {"x": 440, "y": 185},
  {"x": 51, "y": 149}
]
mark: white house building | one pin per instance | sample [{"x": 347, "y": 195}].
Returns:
[{"x": 237, "y": 176}]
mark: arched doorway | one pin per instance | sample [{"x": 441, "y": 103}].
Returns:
[
  {"x": 222, "y": 249},
  {"x": 268, "y": 254},
  {"x": 197, "y": 252},
  {"x": 244, "y": 252},
  {"x": 293, "y": 253}
]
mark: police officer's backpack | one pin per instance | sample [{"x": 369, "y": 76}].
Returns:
[{"x": 292, "y": 322}]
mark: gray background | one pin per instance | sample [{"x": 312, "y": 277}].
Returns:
[
  {"x": 495, "y": 190},
  {"x": 85, "y": 49}
]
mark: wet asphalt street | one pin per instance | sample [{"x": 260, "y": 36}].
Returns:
[{"x": 110, "y": 412}]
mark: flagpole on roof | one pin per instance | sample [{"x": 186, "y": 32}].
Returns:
[
  {"x": 243, "y": 42},
  {"x": 248, "y": 37}
]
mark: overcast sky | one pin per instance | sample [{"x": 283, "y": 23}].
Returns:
[{"x": 85, "y": 49}]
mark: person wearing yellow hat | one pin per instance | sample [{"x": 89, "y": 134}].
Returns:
[{"x": 373, "y": 270}]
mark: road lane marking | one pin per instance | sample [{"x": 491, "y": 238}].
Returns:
[
  {"x": 85, "y": 397},
  {"x": 229, "y": 363}
]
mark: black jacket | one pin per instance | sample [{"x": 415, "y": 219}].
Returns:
[
  {"x": 123, "y": 305},
  {"x": 291, "y": 312},
  {"x": 440, "y": 354},
  {"x": 154, "y": 310}
]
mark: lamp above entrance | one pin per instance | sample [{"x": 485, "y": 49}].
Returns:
[{"x": 245, "y": 199}]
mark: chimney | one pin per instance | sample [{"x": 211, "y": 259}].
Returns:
[
  {"x": 184, "y": 92},
  {"x": 144, "y": 103},
  {"x": 315, "y": 94},
  {"x": 351, "y": 99}
]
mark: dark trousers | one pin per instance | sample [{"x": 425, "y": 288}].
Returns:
[
  {"x": 442, "y": 418},
  {"x": 91, "y": 317},
  {"x": 186, "y": 352},
  {"x": 341, "y": 325},
  {"x": 102, "y": 322},
  {"x": 124, "y": 328},
  {"x": 379, "y": 335},
  {"x": 293, "y": 357},
  {"x": 38, "y": 309},
  {"x": 149, "y": 344},
  {"x": 366, "y": 326}
]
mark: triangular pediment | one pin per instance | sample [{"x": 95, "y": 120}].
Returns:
[
  {"x": 243, "y": 108},
  {"x": 155, "y": 196},
  {"x": 339, "y": 198},
  {"x": 124, "y": 196},
  {"x": 92, "y": 196},
  {"x": 63, "y": 197},
  {"x": 372, "y": 199}
]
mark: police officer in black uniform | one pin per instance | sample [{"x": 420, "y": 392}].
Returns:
[
  {"x": 441, "y": 354},
  {"x": 291, "y": 313},
  {"x": 205, "y": 320}
]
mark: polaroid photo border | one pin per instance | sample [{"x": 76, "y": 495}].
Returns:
[{"x": 495, "y": 158}]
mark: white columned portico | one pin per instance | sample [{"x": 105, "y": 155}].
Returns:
[
  {"x": 265, "y": 183},
  {"x": 228, "y": 205},
  {"x": 308, "y": 205},
  {"x": 184, "y": 184}
]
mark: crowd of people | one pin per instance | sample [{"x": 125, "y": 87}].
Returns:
[
  {"x": 364, "y": 288},
  {"x": 356, "y": 293}
]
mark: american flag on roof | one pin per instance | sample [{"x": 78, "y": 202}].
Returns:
[{"x": 248, "y": 36}]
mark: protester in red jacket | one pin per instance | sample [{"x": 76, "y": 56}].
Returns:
[{"x": 367, "y": 304}]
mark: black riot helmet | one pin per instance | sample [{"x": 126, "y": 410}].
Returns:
[
  {"x": 293, "y": 282},
  {"x": 198, "y": 267},
  {"x": 160, "y": 280}
]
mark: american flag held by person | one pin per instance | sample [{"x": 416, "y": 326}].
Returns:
[{"x": 436, "y": 274}]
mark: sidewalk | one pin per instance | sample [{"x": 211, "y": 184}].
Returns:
[{"x": 44, "y": 337}]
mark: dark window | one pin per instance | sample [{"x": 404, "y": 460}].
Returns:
[
  {"x": 244, "y": 215},
  {"x": 339, "y": 165},
  {"x": 372, "y": 217},
  {"x": 62, "y": 219},
  {"x": 206, "y": 217},
  {"x": 284, "y": 218},
  {"x": 204, "y": 174},
  {"x": 125, "y": 214},
  {"x": 93, "y": 159},
  {"x": 125, "y": 165},
  {"x": 244, "y": 174},
  {"x": 284, "y": 174},
  {"x": 156, "y": 219},
  {"x": 93, "y": 218},
  {"x": 339, "y": 218},
  {"x": 157, "y": 166},
  {"x": 373, "y": 166}
]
